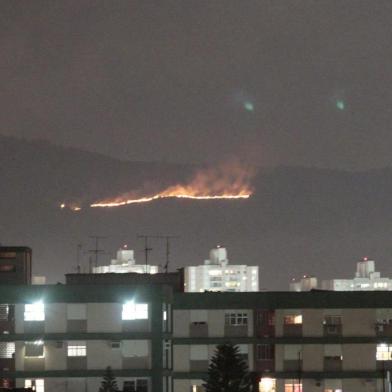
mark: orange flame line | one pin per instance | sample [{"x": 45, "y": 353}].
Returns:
[{"x": 159, "y": 196}]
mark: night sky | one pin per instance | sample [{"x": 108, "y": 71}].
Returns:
[
  {"x": 275, "y": 82},
  {"x": 271, "y": 83}
]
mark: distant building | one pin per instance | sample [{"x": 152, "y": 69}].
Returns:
[
  {"x": 15, "y": 265},
  {"x": 125, "y": 263},
  {"x": 218, "y": 275},
  {"x": 366, "y": 279},
  {"x": 306, "y": 283}
]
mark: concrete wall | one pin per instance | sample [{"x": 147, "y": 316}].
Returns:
[
  {"x": 55, "y": 318},
  {"x": 359, "y": 385},
  {"x": 312, "y": 322},
  {"x": 100, "y": 355},
  {"x": 181, "y": 355},
  {"x": 359, "y": 322},
  {"x": 359, "y": 356},
  {"x": 19, "y": 318},
  {"x": 216, "y": 321},
  {"x": 313, "y": 357},
  {"x": 181, "y": 320},
  {"x": 104, "y": 317},
  {"x": 55, "y": 357}
]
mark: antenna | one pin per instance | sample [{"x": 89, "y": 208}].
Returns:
[
  {"x": 78, "y": 252},
  {"x": 167, "y": 238},
  {"x": 96, "y": 251},
  {"x": 147, "y": 249}
]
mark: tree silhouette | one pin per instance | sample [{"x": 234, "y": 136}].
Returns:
[
  {"x": 227, "y": 372},
  {"x": 109, "y": 383}
]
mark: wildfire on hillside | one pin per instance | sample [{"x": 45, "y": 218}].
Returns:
[{"x": 227, "y": 181}]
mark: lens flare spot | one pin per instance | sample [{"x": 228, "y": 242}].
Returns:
[
  {"x": 249, "y": 106},
  {"x": 340, "y": 104}
]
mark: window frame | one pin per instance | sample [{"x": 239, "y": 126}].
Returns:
[
  {"x": 76, "y": 349},
  {"x": 236, "y": 319}
]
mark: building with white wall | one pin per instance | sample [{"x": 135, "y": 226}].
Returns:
[
  {"x": 366, "y": 279},
  {"x": 62, "y": 337},
  {"x": 216, "y": 274},
  {"x": 125, "y": 263},
  {"x": 306, "y": 283}
]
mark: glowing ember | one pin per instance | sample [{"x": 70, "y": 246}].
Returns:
[
  {"x": 229, "y": 181},
  {"x": 72, "y": 207}
]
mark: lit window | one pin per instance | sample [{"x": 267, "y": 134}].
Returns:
[
  {"x": 332, "y": 385},
  {"x": 267, "y": 384},
  {"x": 76, "y": 349},
  {"x": 197, "y": 388},
  {"x": 34, "y": 312},
  {"x": 4, "y": 312},
  {"x": 384, "y": 352},
  {"x": 333, "y": 390},
  {"x": 292, "y": 386},
  {"x": 35, "y": 385},
  {"x": 34, "y": 349},
  {"x": 236, "y": 318},
  {"x": 132, "y": 311},
  {"x": 293, "y": 319},
  {"x": 7, "y": 349}
]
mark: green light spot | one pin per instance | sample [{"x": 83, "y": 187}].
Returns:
[
  {"x": 340, "y": 104},
  {"x": 248, "y": 106}
]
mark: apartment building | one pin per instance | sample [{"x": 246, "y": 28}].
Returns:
[
  {"x": 125, "y": 263},
  {"x": 366, "y": 278},
  {"x": 62, "y": 337},
  {"x": 216, "y": 274},
  {"x": 310, "y": 342}
]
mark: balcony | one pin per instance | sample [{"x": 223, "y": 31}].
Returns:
[
  {"x": 136, "y": 362},
  {"x": 76, "y": 363},
  {"x": 76, "y": 325},
  {"x": 333, "y": 364},
  {"x": 332, "y": 329},
  {"x": 265, "y": 365},
  {"x": 198, "y": 365},
  {"x": 292, "y": 365},
  {"x": 384, "y": 329},
  {"x": 233, "y": 331},
  {"x": 292, "y": 330},
  {"x": 198, "y": 329},
  {"x": 7, "y": 364}
]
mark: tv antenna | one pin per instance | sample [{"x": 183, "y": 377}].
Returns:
[
  {"x": 146, "y": 249},
  {"x": 78, "y": 253},
  {"x": 167, "y": 239},
  {"x": 96, "y": 251}
]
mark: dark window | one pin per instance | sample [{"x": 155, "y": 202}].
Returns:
[
  {"x": 129, "y": 386},
  {"x": 7, "y": 268},
  {"x": 265, "y": 352},
  {"x": 7, "y": 255},
  {"x": 140, "y": 385},
  {"x": 35, "y": 349}
]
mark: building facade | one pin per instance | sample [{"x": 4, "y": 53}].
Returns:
[
  {"x": 125, "y": 263},
  {"x": 216, "y": 274},
  {"x": 366, "y": 279},
  {"x": 15, "y": 265},
  {"x": 62, "y": 337}
]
